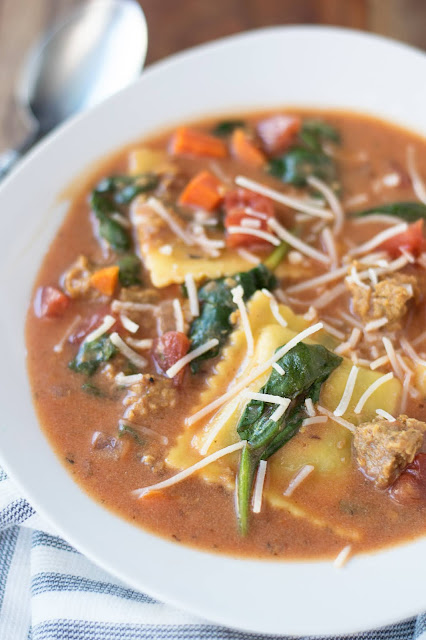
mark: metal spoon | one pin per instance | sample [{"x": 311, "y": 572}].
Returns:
[{"x": 97, "y": 50}]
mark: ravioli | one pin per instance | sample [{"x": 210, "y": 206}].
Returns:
[{"x": 329, "y": 452}]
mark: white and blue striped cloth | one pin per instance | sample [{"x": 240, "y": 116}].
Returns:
[{"x": 49, "y": 591}]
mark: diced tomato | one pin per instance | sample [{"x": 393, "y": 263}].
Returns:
[
  {"x": 238, "y": 204},
  {"x": 278, "y": 132},
  {"x": 411, "y": 240},
  {"x": 90, "y": 323},
  {"x": 410, "y": 487},
  {"x": 168, "y": 349},
  {"x": 50, "y": 302}
]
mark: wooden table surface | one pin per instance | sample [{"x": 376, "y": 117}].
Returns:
[{"x": 178, "y": 24}]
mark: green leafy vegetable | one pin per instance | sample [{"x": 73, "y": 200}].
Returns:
[
  {"x": 408, "y": 211},
  {"x": 92, "y": 389},
  {"x": 111, "y": 194},
  {"x": 307, "y": 367},
  {"x": 129, "y": 270},
  {"x": 298, "y": 163},
  {"x": 315, "y": 132},
  {"x": 124, "y": 429},
  {"x": 226, "y": 127},
  {"x": 91, "y": 354},
  {"x": 217, "y": 306}
]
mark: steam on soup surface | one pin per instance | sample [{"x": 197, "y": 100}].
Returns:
[{"x": 243, "y": 301}]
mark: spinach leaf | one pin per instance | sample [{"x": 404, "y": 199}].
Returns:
[
  {"x": 109, "y": 195},
  {"x": 298, "y": 163},
  {"x": 315, "y": 132},
  {"x": 91, "y": 354},
  {"x": 217, "y": 306},
  {"x": 125, "y": 428},
  {"x": 306, "y": 368},
  {"x": 408, "y": 211},
  {"x": 226, "y": 127},
  {"x": 129, "y": 270}
]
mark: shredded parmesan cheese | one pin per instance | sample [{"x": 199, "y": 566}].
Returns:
[
  {"x": 288, "y": 201},
  {"x": 178, "y": 313},
  {"x": 59, "y": 347},
  {"x": 338, "y": 419},
  {"x": 220, "y": 423},
  {"x": 122, "y": 220},
  {"x": 131, "y": 355},
  {"x": 371, "y": 389},
  {"x": 105, "y": 326},
  {"x": 247, "y": 255},
  {"x": 380, "y": 362},
  {"x": 330, "y": 196},
  {"x": 166, "y": 250},
  {"x": 328, "y": 296},
  {"x": 419, "y": 186},
  {"x": 378, "y": 239},
  {"x": 390, "y": 351},
  {"x": 300, "y": 476},
  {"x": 145, "y": 343},
  {"x": 128, "y": 324},
  {"x": 250, "y": 222},
  {"x": 257, "y": 233},
  {"x": 275, "y": 309},
  {"x": 180, "y": 364},
  {"x": 255, "y": 373},
  {"x": 373, "y": 325},
  {"x": 347, "y": 393},
  {"x": 267, "y": 397},
  {"x": 182, "y": 475},
  {"x": 384, "y": 414},
  {"x": 192, "y": 295},
  {"x": 126, "y": 381},
  {"x": 342, "y": 557},
  {"x": 120, "y": 305},
  {"x": 258, "y": 487},
  {"x": 296, "y": 243},
  {"x": 420, "y": 338},
  {"x": 333, "y": 331},
  {"x": 237, "y": 297},
  {"x": 314, "y": 420},
  {"x": 412, "y": 353},
  {"x": 310, "y": 409},
  {"x": 330, "y": 246}
]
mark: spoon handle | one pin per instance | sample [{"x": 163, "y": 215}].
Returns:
[{"x": 10, "y": 157}]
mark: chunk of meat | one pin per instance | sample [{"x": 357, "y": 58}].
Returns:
[
  {"x": 50, "y": 302},
  {"x": 152, "y": 394},
  {"x": 383, "y": 449},
  {"x": 389, "y": 298},
  {"x": 410, "y": 487},
  {"x": 76, "y": 280}
]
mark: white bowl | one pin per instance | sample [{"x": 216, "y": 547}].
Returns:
[{"x": 309, "y": 66}]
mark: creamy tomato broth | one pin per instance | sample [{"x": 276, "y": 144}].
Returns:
[{"x": 242, "y": 301}]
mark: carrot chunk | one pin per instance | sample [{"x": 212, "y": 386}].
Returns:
[
  {"x": 105, "y": 280},
  {"x": 204, "y": 191},
  {"x": 244, "y": 150},
  {"x": 197, "y": 143}
]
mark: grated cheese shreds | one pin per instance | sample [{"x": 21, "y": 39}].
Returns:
[
  {"x": 332, "y": 200},
  {"x": 131, "y": 355},
  {"x": 178, "y": 313},
  {"x": 300, "y": 476},
  {"x": 251, "y": 222},
  {"x": 344, "y": 423},
  {"x": 128, "y": 324},
  {"x": 378, "y": 239},
  {"x": 420, "y": 338},
  {"x": 147, "y": 430},
  {"x": 59, "y": 346},
  {"x": 296, "y": 243},
  {"x": 122, "y": 220},
  {"x": 275, "y": 309},
  {"x": 220, "y": 423},
  {"x": 328, "y": 296},
  {"x": 373, "y": 277},
  {"x": 294, "y": 203},
  {"x": 257, "y": 233},
  {"x": 380, "y": 362},
  {"x": 333, "y": 331},
  {"x": 166, "y": 250},
  {"x": 256, "y": 372},
  {"x": 126, "y": 381},
  {"x": 354, "y": 337},
  {"x": 257, "y": 214},
  {"x": 378, "y": 217},
  {"x": 390, "y": 351},
  {"x": 411, "y": 352},
  {"x": 180, "y": 364},
  {"x": 330, "y": 245},
  {"x": 405, "y": 389},
  {"x": 403, "y": 364},
  {"x": 342, "y": 557},
  {"x": 267, "y": 397},
  {"x": 354, "y": 277},
  {"x": 247, "y": 255},
  {"x": 107, "y": 323},
  {"x": 384, "y": 414},
  {"x": 310, "y": 409},
  {"x": 371, "y": 389},
  {"x": 314, "y": 420},
  {"x": 237, "y": 297},
  {"x": 278, "y": 368},
  {"x": 347, "y": 393},
  {"x": 144, "y": 343},
  {"x": 121, "y": 305},
  {"x": 258, "y": 487},
  {"x": 192, "y": 295},
  {"x": 351, "y": 320},
  {"x": 182, "y": 475},
  {"x": 419, "y": 186},
  {"x": 373, "y": 325},
  {"x": 280, "y": 411},
  {"x": 160, "y": 209}
]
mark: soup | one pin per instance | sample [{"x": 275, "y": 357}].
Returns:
[{"x": 226, "y": 341}]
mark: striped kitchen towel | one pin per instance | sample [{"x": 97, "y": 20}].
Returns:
[{"x": 49, "y": 591}]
